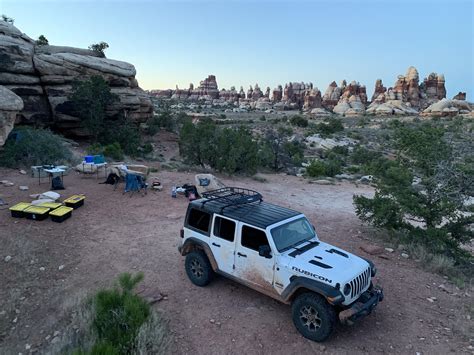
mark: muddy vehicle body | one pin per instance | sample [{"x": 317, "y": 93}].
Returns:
[{"x": 276, "y": 251}]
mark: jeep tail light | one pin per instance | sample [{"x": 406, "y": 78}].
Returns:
[{"x": 181, "y": 233}]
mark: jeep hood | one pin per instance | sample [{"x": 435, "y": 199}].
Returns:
[{"x": 324, "y": 262}]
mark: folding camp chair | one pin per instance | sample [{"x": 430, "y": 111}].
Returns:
[{"x": 135, "y": 183}]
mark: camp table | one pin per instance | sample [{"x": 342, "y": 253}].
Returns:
[
  {"x": 17, "y": 211},
  {"x": 37, "y": 213},
  {"x": 75, "y": 201},
  {"x": 61, "y": 214}
]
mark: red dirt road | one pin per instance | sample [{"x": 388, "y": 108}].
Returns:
[{"x": 113, "y": 233}]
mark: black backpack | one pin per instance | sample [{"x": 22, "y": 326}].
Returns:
[{"x": 56, "y": 183}]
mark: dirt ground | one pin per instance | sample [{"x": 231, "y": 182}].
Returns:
[{"x": 53, "y": 265}]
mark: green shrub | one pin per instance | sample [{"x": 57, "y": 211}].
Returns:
[
  {"x": 324, "y": 168},
  {"x": 331, "y": 126},
  {"x": 333, "y": 167},
  {"x": 341, "y": 150},
  {"x": 263, "y": 118},
  {"x": 113, "y": 151},
  {"x": 316, "y": 168},
  {"x": 34, "y": 147},
  {"x": 124, "y": 132},
  {"x": 361, "y": 155},
  {"x": 120, "y": 314},
  {"x": 229, "y": 150},
  {"x": 299, "y": 121},
  {"x": 147, "y": 148},
  {"x": 90, "y": 99}
]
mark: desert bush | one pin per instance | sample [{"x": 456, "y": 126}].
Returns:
[
  {"x": 299, "y": 121},
  {"x": 99, "y": 47},
  {"x": 330, "y": 126},
  {"x": 116, "y": 321},
  {"x": 230, "y": 150},
  {"x": 29, "y": 146},
  {"x": 328, "y": 168},
  {"x": 119, "y": 314},
  {"x": 430, "y": 211},
  {"x": 277, "y": 151},
  {"x": 42, "y": 41},
  {"x": 124, "y": 132},
  {"x": 90, "y": 99},
  {"x": 316, "y": 168},
  {"x": 8, "y": 19},
  {"x": 113, "y": 151},
  {"x": 362, "y": 155}
]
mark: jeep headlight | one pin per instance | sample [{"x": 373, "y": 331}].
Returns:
[
  {"x": 373, "y": 270},
  {"x": 347, "y": 289}
]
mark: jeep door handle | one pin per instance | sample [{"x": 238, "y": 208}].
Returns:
[
  {"x": 216, "y": 245},
  {"x": 242, "y": 255}
]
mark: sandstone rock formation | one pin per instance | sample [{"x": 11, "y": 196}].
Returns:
[
  {"x": 10, "y": 105},
  {"x": 277, "y": 94},
  {"x": 433, "y": 88},
  {"x": 332, "y": 95},
  {"x": 406, "y": 97},
  {"x": 460, "y": 96},
  {"x": 446, "y": 107},
  {"x": 353, "y": 99},
  {"x": 379, "y": 89},
  {"x": 42, "y": 76},
  {"x": 312, "y": 99}
]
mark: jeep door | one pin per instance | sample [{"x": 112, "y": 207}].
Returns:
[
  {"x": 223, "y": 242},
  {"x": 249, "y": 265}
]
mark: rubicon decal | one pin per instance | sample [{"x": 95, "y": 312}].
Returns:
[{"x": 304, "y": 272}]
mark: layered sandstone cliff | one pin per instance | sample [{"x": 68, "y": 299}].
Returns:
[{"x": 42, "y": 77}]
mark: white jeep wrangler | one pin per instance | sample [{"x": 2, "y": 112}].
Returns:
[{"x": 276, "y": 251}]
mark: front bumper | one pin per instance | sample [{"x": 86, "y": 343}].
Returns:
[{"x": 364, "y": 305}]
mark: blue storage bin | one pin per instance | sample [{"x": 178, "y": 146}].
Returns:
[
  {"x": 89, "y": 159},
  {"x": 99, "y": 159}
]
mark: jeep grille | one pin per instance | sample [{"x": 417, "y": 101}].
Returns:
[{"x": 360, "y": 283}]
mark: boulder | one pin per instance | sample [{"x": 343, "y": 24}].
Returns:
[
  {"x": 446, "y": 107},
  {"x": 460, "y": 96},
  {"x": 10, "y": 105},
  {"x": 42, "y": 77}
]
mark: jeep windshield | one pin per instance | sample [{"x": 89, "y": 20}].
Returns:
[{"x": 292, "y": 233}]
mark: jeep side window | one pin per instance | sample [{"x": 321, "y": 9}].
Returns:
[
  {"x": 253, "y": 238},
  {"x": 199, "y": 220},
  {"x": 224, "y": 228}
]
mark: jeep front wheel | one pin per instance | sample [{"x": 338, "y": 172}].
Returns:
[
  {"x": 314, "y": 318},
  {"x": 198, "y": 268}
]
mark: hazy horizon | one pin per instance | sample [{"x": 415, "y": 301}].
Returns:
[{"x": 270, "y": 43}]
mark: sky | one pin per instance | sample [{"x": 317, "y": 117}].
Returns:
[{"x": 266, "y": 42}]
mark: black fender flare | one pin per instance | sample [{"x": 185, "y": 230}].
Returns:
[
  {"x": 332, "y": 295},
  {"x": 190, "y": 244}
]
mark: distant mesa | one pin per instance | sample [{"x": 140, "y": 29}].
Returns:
[
  {"x": 406, "y": 97},
  {"x": 41, "y": 77}
]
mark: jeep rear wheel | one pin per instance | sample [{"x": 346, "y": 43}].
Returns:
[
  {"x": 198, "y": 268},
  {"x": 314, "y": 318}
]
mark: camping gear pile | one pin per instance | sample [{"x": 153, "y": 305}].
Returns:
[
  {"x": 207, "y": 182},
  {"x": 47, "y": 205}
]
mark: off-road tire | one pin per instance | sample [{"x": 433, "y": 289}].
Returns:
[
  {"x": 314, "y": 318},
  {"x": 198, "y": 268}
]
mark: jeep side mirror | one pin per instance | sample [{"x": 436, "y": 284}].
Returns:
[{"x": 265, "y": 251}]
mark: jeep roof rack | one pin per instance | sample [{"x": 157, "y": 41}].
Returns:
[{"x": 232, "y": 196}]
